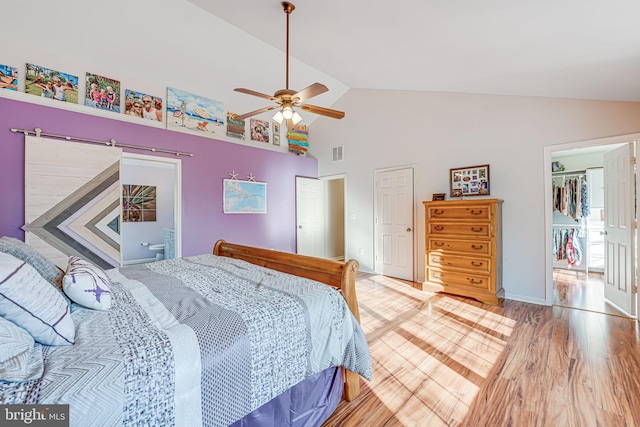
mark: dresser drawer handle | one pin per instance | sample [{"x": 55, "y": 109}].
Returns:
[
  {"x": 475, "y": 212},
  {"x": 477, "y": 247},
  {"x": 437, "y": 275},
  {"x": 438, "y": 227},
  {"x": 476, "y": 282},
  {"x": 477, "y": 230},
  {"x": 477, "y": 264},
  {"x": 437, "y": 260},
  {"x": 438, "y": 211},
  {"x": 439, "y": 244}
]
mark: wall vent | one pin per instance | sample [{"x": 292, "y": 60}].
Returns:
[{"x": 337, "y": 153}]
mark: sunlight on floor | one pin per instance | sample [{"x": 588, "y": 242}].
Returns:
[{"x": 432, "y": 355}]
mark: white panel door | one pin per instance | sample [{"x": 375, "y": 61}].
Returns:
[
  {"x": 394, "y": 223},
  {"x": 309, "y": 216},
  {"x": 619, "y": 218}
]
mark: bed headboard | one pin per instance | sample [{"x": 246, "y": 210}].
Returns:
[{"x": 338, "y": 274}]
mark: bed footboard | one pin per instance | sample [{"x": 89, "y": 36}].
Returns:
[{"x": 340, "y": 275}]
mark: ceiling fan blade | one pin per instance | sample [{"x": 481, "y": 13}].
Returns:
[
  {"x": 309, "y": 92},
  {"x": 334, "y": 114},
  {"x": 254, "y": 93},
  {"x": 253, "y": 113}
]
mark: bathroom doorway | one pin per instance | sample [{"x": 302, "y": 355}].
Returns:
[{"x": 152, "y": 230}]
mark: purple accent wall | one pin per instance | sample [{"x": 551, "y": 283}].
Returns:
[{"x": 203, "y": 221}]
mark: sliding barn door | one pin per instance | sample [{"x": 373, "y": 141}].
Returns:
[{"x": 72, "y": 200}]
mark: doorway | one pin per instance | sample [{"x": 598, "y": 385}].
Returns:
[
  {"x": 580, "y": 274},
  {"x": 140, "y": 239},
  {"x": 320, "y": 217}
]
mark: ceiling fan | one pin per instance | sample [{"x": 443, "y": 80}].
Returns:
[{"x": 286, "y": 99}]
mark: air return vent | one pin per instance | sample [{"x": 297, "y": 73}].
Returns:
[{"x": 337, "y": 153}]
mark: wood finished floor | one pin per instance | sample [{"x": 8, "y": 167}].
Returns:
[
  {"x": 577, "y": 289},
  {"x": 443, "y": 360}
]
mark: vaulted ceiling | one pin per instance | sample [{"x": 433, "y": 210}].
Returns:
[{"x": 586, "y": 49}]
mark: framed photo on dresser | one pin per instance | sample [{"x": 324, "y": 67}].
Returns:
[{"x": 469, "y": 181}]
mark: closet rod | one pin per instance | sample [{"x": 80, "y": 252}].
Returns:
[
  {"x": 112, "y": 142},
  {"x": 578, "y": 172}
]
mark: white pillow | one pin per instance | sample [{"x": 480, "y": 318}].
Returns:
[
  {"x": 30, "y": 302},
  {"x": 87, "y": 284},
  {"x": 20, "y": 358}
]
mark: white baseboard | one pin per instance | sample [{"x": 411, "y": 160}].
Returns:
[{"x": 525, "y": 298}]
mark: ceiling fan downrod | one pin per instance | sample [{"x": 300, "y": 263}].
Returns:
[{"x": 288, "y": 8}]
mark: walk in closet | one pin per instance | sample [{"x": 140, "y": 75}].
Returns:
[{"x": 577, "y": 228}]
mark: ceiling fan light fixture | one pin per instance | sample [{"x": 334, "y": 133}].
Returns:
[
  {"x": 287, "y": 113},
  {"x": 296, "y": 118},
  {"x": 278, "y": 117}
]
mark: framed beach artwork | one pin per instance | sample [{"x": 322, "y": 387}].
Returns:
[
  {"x": 194, "y": 114},
  {"x": 259, "y": 130},
  {"x": 48, "y": 83},
  {"x": 8, "y": 77},
  {"x": 235, "y": 127},
  {"x": 102, "y": 93},
  {"x": 141, "y": 105},
  {"x": 244, "y": 196}
]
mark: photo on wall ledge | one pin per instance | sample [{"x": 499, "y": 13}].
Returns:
[
  {"x": 48, "y": 83},
  {"x": 259, "y": 130},
  {"x": 141, "y": 105},
  {"x": 102, "y": 93},
  {"x": 8, "y": 77},
  {"x": 194, "y": 114}
]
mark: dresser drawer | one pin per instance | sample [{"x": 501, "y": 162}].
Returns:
[
  {"x": 459, "y": 229},
  {"x": 476, "y": 247},
  {"x": 455, "y": 279},
  {"x": 478, "y": 213},
  {"x": 475, "y": 264}
]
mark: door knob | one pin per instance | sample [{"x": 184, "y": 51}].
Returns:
[
  {"x": 603, "y": 233},
  {"x": 409, "y": 229},
  {"x": 299, "y": 227}
]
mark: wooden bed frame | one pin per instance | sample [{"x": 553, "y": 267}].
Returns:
[{"x": 340, "y": 275}]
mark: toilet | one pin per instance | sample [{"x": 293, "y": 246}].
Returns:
[{"x": 158, "y": 249}]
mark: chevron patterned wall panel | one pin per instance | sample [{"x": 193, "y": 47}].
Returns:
[{"x": 72, "y": 200}]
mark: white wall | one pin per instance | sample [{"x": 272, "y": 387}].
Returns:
[
  {"x": 149, "y": 45},
  {"x": 438, "y": 131}
]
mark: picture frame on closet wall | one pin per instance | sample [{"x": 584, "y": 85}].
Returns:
[{"x": 469, "y": 181}]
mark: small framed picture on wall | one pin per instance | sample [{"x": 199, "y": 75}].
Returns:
[{"x": 469, "y": 181}]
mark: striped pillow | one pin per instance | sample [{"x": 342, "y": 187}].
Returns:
[
  {"x": 30, "y": 302},
  {"x": 20, "y": 358},
  {"x": 26, "y": 253}
]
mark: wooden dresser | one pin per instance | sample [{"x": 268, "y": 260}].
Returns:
[{"x": 464, "y": 248}]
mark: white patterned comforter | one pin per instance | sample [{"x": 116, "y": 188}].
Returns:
[{"x": 201, "y": 340}]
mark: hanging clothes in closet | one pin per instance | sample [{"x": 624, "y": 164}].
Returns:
[
  {"x": 571, "y": 196},
  {"x": 567, "y": 245}
]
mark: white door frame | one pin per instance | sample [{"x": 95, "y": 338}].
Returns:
[
  {"x": 415, "y": 215},
  {"x": 346, "y": 208},
  {"x": 548, "y": 214},
  {"x": 177, "y": 205}
]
